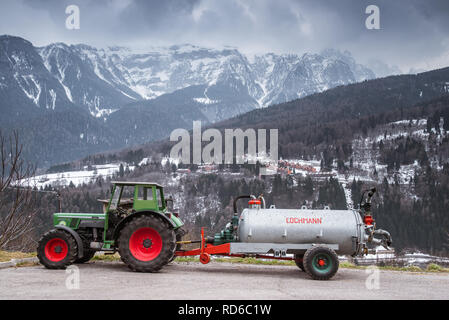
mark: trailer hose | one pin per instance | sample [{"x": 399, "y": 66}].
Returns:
[
  {"x": 386, "y": 237},
  {"x": 241, "y": 197}
]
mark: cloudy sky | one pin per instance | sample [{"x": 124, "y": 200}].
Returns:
[{"x": 414, "y": 34}]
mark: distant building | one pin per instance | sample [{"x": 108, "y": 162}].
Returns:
[{"x": 186, "y": 171}]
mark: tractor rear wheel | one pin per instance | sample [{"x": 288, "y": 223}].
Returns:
[
  {"x": 57, "y": 249},
  {"x": 320, "y": 262},
  {"x": 299, "y": 260},
  {"x": 146, "y": 244},
  {"x": 88, "y": 254},
  {"x": 177, "y": 247}
]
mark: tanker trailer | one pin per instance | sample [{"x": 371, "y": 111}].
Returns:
[{"x": 312, "y": 238}]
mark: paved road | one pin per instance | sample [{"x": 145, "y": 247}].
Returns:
[{"x": 113, "y": 280}]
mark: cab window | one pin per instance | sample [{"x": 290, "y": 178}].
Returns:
[
  {"x": 127, "y": 192},
  {"x": 115, "y": 198},
  {"x": 145, "y": 193},
  {"x": 159, "y": 198}
]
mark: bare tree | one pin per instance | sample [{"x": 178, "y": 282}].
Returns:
[{"x": 17, "y": 203}]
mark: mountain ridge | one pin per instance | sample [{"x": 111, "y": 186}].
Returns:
[{"x": 112, "y": 86}]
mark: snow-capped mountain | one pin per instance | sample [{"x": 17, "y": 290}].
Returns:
[
  {"x": 103, "y": 80},
  {"x": 103, "y": 98},
  {"x": 26, "y": 87},
  {"x": 89, "y": 80},
  {"x": 288, "y": 77}
]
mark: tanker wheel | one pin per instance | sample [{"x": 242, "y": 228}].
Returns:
[
  {"x": 57, "y": 249},
  {"x": 146, "y": 244},
  {"x": 87, "y": 255},
  {"x": 321, "y": 263},
  {"x": 299, "y": 260}
]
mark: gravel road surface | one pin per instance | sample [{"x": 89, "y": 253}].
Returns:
[{"x": 113, "y": 280}]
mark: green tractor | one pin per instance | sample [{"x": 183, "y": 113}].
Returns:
[{"x": 135, "y": 221}]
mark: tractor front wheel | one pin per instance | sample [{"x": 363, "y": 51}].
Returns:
[
  {"x": 146, "y": 244},
  {"x": 57, "y": 249}
]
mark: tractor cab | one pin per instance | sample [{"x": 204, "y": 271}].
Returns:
[
  {"x": 128, "y": 197},
  {"x": 133, "y": 198}
]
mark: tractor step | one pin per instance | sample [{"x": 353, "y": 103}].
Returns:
[{"x": 96, "y": 245}]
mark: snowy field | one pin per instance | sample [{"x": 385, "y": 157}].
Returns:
[{"x": 88, "y": 174}]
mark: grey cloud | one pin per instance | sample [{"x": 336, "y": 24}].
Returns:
[{"x": 414, "y": 33}]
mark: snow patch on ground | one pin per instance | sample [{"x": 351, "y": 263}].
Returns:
[
  {"x": 103, "y": 112},
  {"x": 205, "y": 100},
  {"x": 79, "y": 177},
  {"x": 175, "y": 161}
]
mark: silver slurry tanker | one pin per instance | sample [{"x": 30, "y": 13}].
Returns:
[
  {"x": 344, "y": 228},
  {"x": 314, "y": 237}
]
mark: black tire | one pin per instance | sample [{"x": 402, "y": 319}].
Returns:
[
  {"x": 52, "y": 247},
  {"x": 313, "y": 259},
  {"x": 177, "y": 247},
  {"x": 87, "y": 255},
  {"x": 299, "y": 260},
  {"x": 136, "y": 255}
]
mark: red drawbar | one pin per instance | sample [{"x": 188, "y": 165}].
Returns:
[
  {"x": 254, "y": 201},
  {"x": 222, "y": 249},
  {"x": 56, "y": 249},
  {"x": 145, "y": 244},
  {"x": 368, "y": 220},
  {"x": 206, "y": 250}
]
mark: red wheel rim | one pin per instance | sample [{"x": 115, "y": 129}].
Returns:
[
  {"x": 145, "y": 244},
  {"x": 56, "y": 249}
]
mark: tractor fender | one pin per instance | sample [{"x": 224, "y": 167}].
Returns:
[
  {"x": 138, "y": 214},
  {"x": 77, "y": 238}
]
